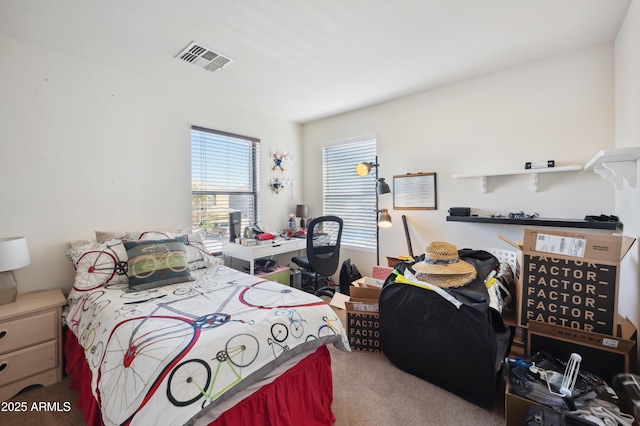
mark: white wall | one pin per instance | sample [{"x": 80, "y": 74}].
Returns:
[
  {"x": 561, "y": 108},
  {"x": 84, "y": 146},
  {"x": 627, "y": 126}
]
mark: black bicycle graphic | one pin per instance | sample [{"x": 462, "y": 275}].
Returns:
[{"x": 279, "y": 333}]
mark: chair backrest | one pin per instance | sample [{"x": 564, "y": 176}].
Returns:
[{"x": 323, "y": 244}]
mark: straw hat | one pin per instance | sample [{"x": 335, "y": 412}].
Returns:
[{"x": 442, "y": 266}]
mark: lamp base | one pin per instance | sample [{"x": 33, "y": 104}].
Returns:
[
  {"x": 302, "y": 224},
  {"x": 8, "y": 287}
]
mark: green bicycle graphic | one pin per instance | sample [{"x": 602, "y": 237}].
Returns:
[{"x": 193, "y": 379}]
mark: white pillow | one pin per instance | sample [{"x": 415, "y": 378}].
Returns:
[
  {"x": 198, "y": 256},
  {"x": 99, "y": 264}
]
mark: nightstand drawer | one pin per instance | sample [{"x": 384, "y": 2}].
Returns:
[
  {"x": 27, "y": 331},
  {"x": 27, "y": 362}
]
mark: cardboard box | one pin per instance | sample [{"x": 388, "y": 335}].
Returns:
[
  {"x": 602, "y": 354},
  {"x": 368, "y": 282},
  {"x": 516, "y": 408},
  {"x": 363, "y": 327},
  {"x": 517, "y": 411},
  {"x": 569, "y": 279},
  {"x": 392, "y": 261}
]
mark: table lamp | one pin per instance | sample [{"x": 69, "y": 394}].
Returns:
[
  {"x": 14, "y": 254},
  {"x": 302, "y": 211}
]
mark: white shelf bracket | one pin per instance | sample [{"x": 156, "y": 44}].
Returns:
[
  {"x": 609, "y": 176},
  {"x": 483, "y": 183},
  {"x": 534, "y": 182},
  {"x": 616, "y": 165},
  {"x": 616, "y": 172}
]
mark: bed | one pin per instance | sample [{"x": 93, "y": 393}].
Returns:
[{"x": 157, "y": 331}]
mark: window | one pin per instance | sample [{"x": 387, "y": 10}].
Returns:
[
  {"x": 349, "y": 196},
  {"x": 224, "y": 179}
]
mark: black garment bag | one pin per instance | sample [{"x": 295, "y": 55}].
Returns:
[{"x": 458, "y": 349}]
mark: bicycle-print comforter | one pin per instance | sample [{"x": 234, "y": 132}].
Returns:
[{"x": 164, "y": 355}]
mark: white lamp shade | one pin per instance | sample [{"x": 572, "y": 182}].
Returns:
[{"x": 14, "y": 253}]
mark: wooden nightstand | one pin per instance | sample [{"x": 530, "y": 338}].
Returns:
[{"x": 31, "y": 341}]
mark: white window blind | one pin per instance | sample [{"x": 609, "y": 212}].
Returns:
[
  {"x": 349, "y": 196},
  {"x": 224, "y": 179}
]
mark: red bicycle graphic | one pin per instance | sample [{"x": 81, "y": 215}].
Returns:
[{"x": 98, "y": 267}]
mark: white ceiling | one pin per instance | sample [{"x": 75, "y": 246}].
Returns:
[{"x": 307, "y": 59}]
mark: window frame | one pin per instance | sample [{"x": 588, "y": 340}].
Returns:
[{"x": 204, "y": 160}]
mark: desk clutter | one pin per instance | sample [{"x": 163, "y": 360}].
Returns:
[
  {"x": 314, "y": 269},
  {"x": 253, "y": 252}
]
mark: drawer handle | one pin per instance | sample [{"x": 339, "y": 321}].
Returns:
[
  {"x": 3, "y": 367},
  {"x": 3, "y": 334}
]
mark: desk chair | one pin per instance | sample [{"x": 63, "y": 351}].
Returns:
[{"x": 323, "y": 254}]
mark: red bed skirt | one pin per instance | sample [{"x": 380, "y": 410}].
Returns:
[{"x": 302, "y": 395}]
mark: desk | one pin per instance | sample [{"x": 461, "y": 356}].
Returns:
[{"x": 270, "y": 248}]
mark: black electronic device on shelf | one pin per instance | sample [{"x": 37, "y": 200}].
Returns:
[
  {"x": 235, "y": 225},
  {"x": 460, "y": 211}
]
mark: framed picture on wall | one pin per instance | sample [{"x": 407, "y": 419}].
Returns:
[{"x": 415, "y": 191}]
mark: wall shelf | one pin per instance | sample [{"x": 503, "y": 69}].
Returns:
[
  {"x": 533, "y": 172},
  {"x": 539, "y": 221},
  {"x": 616, "y": 165}
]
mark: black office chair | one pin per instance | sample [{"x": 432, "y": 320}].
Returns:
[{"x": 323, "y": 255}]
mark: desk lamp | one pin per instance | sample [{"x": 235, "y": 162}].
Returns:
[
  {"x": 302, "y": 211},
  {"x": 14, "y": 254},
  {"x": 383, "y": 218}
]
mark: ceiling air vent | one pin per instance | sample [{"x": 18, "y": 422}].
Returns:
[{"x": 204, "y": 57}]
